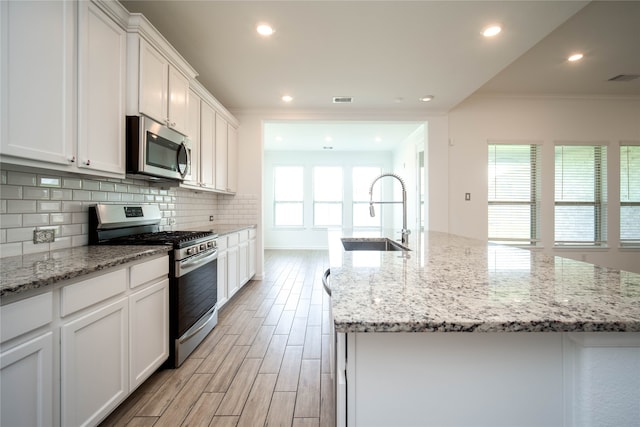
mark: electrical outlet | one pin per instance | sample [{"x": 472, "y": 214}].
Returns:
[
  {"x": 44, "y": 236},
  {"x": 210, "y": 217},
  {"x": 467, "y": 196}
]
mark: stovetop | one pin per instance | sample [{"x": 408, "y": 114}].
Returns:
[{"x": 178, "y": 239}]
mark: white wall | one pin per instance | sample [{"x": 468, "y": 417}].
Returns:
[{"x": 481, "y": 119}]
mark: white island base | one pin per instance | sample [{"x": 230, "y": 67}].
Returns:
[{"x": 488, "y": 379}]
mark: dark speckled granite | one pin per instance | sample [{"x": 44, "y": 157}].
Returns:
[{"x": 23, "y": 273}]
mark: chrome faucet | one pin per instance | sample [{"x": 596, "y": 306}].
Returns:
[{"x": 405, "y": 232}]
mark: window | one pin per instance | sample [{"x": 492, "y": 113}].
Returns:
[
  {"x": 630, "y": 195},
  {"x": 514, "y": 206},
  {"x": 327, "y": 196},
  {"x": 288, "y": 196},
  {"x": 363, "y": 176},
  {"x": 580, "y": 195}
]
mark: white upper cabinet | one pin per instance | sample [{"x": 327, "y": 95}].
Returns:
[
  {"x": 158, "y": 77},
  {"x": 64, "y": 69},
  {"x": 37, "y": 81},
  {"x": 193, "y": 130},
  {"x": 102, "y": 85},
  {"x": 221, "y": 153},
  {"x": 207, "y": 145},
  {"x": 232, "y": 159},
  {"x": 164, "y": 91}
]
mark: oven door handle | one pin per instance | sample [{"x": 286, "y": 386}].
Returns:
[
  {"x": 199, "y": 327},
  {"x": 194, "y": 262}
]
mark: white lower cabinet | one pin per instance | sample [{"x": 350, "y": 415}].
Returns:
[
  {"x": 243, "y": 257},
  {"x": 95, "y": 353},
  {"x": 236, "y": 262},
  {"x": 26, "y": 362},
  {"x": 222, "y": 270},
  {"x": 69, "y": 356},
  {"x": 233, "y": 280},
  {"x": 148, "y": 331},
  {"x": 26, "y": 383}
]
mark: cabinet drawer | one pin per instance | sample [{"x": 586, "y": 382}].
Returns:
[
  {"x": 243, "y": 235},
  {"x": 147, "y": 271},
  {"x": 23, "y": 316},
  {"x": 252, "y": 233},
  {"x": 221, "y": 242},
  {"x": 83, "y": 294},
  {"x": 232, "y": 239}
]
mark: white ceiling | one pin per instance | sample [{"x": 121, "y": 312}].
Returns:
[{"x": 387, "y": 54}]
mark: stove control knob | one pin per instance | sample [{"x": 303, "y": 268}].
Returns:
[
  {"x": 209, "y": 244},
  {"x": 203, "y": 247},
  {"x": 190, "y": 251}
]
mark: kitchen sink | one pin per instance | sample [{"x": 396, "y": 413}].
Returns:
[{"x": 372, "y": 244}]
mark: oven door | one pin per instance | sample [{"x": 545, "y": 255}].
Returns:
[{"x": 193, "y": 303}]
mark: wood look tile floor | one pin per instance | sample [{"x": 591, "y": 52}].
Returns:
[{"x": 265, "y": 364}]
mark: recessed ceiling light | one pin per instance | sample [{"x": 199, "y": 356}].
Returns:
[
  {"x": 265, "y": 30},
  {"x": 278, "y": 138},
  {"x": 426, "y": 98},
  {"x": 575, "y": 57},
  {"x": 378, "y": 139},
  {"x": 287, "y": 98},
  {"x": 328, "y": 139},
  {"x": 491, "y": 31}
]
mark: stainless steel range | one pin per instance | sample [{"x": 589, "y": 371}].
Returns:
[{"x": 193, "y": 270}]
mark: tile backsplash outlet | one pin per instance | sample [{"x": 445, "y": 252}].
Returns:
[{"x": 44, "y": 236}]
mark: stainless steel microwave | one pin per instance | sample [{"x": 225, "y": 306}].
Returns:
[{"x": 156, "y": 152}]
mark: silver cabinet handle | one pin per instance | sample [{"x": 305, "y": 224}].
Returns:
[
  {"x": 72, "y": 160},
  {"x": 88, "y": 163}
]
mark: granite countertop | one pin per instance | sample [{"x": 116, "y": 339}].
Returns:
[
  {"x": 37, "y": 271},
  {"x": 449, "y": 283}
]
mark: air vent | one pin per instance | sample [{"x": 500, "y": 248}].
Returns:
[
  {"x": 342, "y": 99},
  {"x": 624, "y": 77}
]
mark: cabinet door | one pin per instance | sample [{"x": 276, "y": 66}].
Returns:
[
  {"x": 26, "y": 383},
  {"x": 178, "y": 101},
  {"x": 37, "y": 81},
  {"x": 252, "y": 257},
  {"x": 232, "y": 159},
  {"x": 153, "y": 83},
  {"x": 193, "y": 132},
  {"x": 94, "y": 361},
  {"x": 243, "y": 262},
  {"x": 221, "y": 153},
  {"x": 233, "y": 281},
  {"x": 207, "y": 144},
  {"x": 148, "y": 331},
  {"x": 222, "y": 278},
  {"x": 101, "y": 78}
]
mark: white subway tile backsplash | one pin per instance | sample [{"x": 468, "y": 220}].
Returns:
[
  {"x": 68, "y": 206},
  {"x": 81, "y": 195},
  {"x": 72, "y": 183},
  {"x": 71, "y": 230},
  {"x": 56, "y": 194},
  {"x": 89, "y": 184},
  {"x": 10, "y": 249},
  {"x": 62, "y": 203},
  {"x": 99, "y": 196},
  {"x": 21, "y": 178},
  {"x": 11, "y": 192},
  {"x": 49, "y": 181},
  {"x": 21, "y": 206},
  {"x": 107, "y": 186},
  {"x": 10, "y": 220},
  {"x": 48, "y": 206},
  {"x": 20, "y": 234},
  {"x": 35, "y": 193},
  {"x": 35, "y": 219},
  {"x": 60, "y": 218}
]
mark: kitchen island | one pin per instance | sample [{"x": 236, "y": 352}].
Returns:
[{"x": 482, "y": 335}]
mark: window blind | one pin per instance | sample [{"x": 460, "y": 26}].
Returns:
[
  {"x": 513, "y": 193},
  {"x": 630, "y": 195},
  {"x": 580, "y": 195}
]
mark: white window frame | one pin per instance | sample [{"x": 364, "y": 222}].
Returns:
[
  {"x": 377, "y": 196},
  {"x": 628, "y": 201},
  {"x": 328, "y": 202},
  {"x": 277, "y": 202}
]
